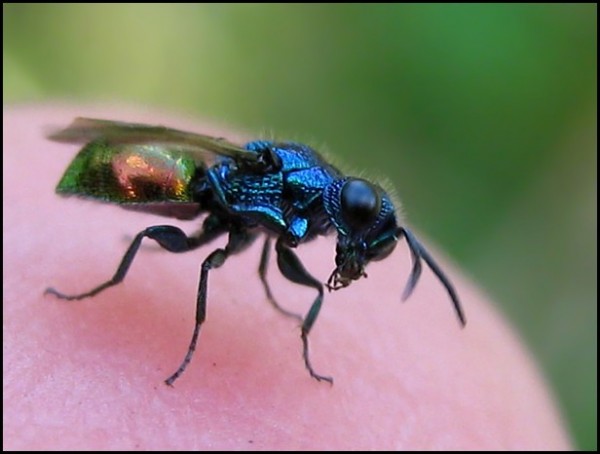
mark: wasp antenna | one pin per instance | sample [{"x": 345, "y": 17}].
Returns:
[
  {"x": 418, "y": 250},
  {"x": 416, "y": 269}
]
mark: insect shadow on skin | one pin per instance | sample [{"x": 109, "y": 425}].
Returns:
[{"x": 285, "y": 191}]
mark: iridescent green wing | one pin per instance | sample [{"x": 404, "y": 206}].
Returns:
[{"x": 141, "y": 167}]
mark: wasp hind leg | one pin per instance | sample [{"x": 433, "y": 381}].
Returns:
[{"x": 168, "y": 237}]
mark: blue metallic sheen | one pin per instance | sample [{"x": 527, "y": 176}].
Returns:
[
  {"x": 285, "y": 189},
  {"x": 287, "y": 201}
]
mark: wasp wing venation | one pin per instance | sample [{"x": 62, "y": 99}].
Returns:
[{"x": 85, "y": 130}]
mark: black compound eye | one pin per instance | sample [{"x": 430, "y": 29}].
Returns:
[{"x": 360, "y": 203}]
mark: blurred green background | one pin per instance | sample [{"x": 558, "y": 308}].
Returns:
[{"x": 483, "y": 116}]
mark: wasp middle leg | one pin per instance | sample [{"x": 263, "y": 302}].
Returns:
[
  {"x": 239, "y": 239},
  {"x": 262, "y": 272}
]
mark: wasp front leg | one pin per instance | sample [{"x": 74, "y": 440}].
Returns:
[{"x": 291, "y": 267}]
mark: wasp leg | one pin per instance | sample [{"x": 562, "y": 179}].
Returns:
[
  {"x": 168, "y": 237},
  {"x": 291, "y": 267},
  {"x": 262, "y": 272},
  {"x": 238, "y": 241}
]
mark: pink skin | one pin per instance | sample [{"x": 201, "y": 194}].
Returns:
[{"x": 89, "y": 374}]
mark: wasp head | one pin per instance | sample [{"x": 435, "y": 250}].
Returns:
[{"x": 365, "y": 219}]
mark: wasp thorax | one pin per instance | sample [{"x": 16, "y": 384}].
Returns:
[{"x": 360, "y": 203}]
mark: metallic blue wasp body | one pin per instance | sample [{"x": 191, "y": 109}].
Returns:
[
  {"x": 284, "y": 189},
  {"x": 287, "y": 200}
]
